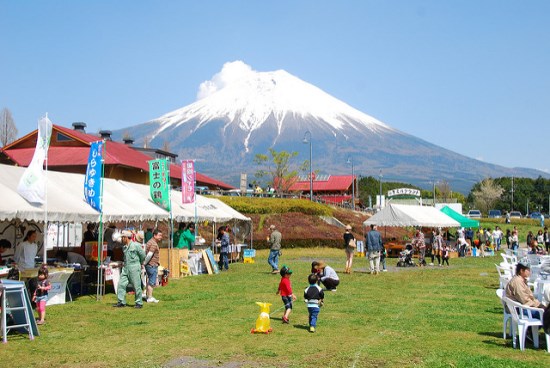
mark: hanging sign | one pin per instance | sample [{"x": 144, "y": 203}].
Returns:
[
  {"x": 92, "y": 181},
  {"x": 188, "y": 181},
  {"x": 159, "y": 182}
]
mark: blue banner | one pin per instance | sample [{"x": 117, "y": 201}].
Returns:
[{"x": 94, "y": 171}]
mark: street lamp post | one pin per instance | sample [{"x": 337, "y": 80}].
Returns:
[
  {"x": 380, "y": 197},
  {"x": 350, "y": 161},
  {"x": 307, "y": 139}
]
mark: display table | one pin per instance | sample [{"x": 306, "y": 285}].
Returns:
[{"x": 58, "y": 278}]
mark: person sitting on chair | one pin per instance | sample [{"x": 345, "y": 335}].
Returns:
[{"x": 518, "y": 290}]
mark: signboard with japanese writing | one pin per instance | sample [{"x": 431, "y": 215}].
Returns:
[
  {"x": 404, "y": 192},
  {"x": 94, "y": 171},
  {"x": 159, "y": 182},
  {"x": 188, "y": 181}
]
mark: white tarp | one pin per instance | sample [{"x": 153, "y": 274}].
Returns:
[
  {"x": 399, "y": 215},
  {"x": 208, "y": 209},
  {"x": 122, "y": 201}
]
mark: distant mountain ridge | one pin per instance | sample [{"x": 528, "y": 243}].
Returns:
[{"x": 226, "y": 129}]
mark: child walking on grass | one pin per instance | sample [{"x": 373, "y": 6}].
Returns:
[
  {"x": 41, "y": 294},
  {"x": 313, "y": 296},
  {"x": 285, "y": 291},
  {"x": 445, "y": 254}
]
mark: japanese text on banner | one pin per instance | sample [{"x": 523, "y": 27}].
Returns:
[
  {"x": 188, "y": 181},
  {"x": 159, "y": 182},
  {"x": 94, "y": 171}
]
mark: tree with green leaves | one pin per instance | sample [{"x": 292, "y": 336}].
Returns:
[{"x": 278, "y": 169}]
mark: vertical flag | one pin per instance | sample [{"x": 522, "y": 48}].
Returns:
[
  {"x": 159, "y": 182},
  {"x": 188, "y": 181},
  {"x": 32, "y": 185},
  {"x": 94, "y": 172}
]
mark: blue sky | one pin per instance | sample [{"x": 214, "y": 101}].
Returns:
[{"x": 470, "y": 76}]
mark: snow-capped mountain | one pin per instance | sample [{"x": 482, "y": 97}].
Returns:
[{"x": 240, "y": 114}]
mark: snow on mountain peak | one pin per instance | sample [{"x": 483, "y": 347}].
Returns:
[{"x": 239, "y": 94}]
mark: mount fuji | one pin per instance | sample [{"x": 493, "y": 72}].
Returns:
[{"x": 242, "y": 112}]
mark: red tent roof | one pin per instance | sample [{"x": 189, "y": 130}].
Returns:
[{"x": 115, "y": 154}]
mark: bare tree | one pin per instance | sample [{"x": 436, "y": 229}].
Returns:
[
  {"x": 444, "y": 189},
  {"x": 8, "y": 130},
  {"x": 487, "y": 195}
]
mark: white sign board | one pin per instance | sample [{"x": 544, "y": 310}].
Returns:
[{"x": 404, "y": 192}]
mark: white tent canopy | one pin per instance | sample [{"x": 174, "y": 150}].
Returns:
[
  {"x": 122, "y": 201},
  {"x": 399, "y": 215}
]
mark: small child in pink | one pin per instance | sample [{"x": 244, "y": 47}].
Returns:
[{"x": 41, "y": 294}]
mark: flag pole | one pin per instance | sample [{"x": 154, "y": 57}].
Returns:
[
  {"x": 100, "y": 282},
  {"x": 45, "y": 242}
]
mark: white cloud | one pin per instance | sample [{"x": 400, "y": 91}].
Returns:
[{"x": 231, "y": 71}]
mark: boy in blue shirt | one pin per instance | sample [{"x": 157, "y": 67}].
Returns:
[{"x": 313, "y": 296}]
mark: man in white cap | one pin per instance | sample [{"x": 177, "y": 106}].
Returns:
[
  {"x": 134, "y": 255},
  {"x": 274, "y": 241}
]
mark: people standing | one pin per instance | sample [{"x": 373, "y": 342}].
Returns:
[
  {"x": 26, "y": 251},
  {"x": 444, "y": 254},
  {"x": 223, "y": 238},
  {"x": 285, "y": 291},
  {"x": 314, "y": 297},
  {"x": 437, "y": 245},
  {"x": 349, "y": 245},
  {"x": 4, "y": 246},
  {"x": 373, "y": 242},
  {"x": 497, "y": 237},
  {"x": 418, "y": 243},
  {"x": 187, "y": 237},
  {"x": 152, "y": 261},
  {"x": 274, "y": 241},
  {"x": 546, "y": 239},
  {"x": 515, "y": 241},
  {"x": 41, "y": 294},
  {"x": 134, "y": 256},
  {"x": 108, "y": 237}
]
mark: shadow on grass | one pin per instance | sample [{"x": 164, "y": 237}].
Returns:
[{"x": 301, "y": 327}]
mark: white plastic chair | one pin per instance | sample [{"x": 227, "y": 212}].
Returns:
[
  {"x": 504, "y": 275},
  {"x": 507, "y": 317},
  {"x": 534, "y": 259},
  {"x": 522, "y": 319}
]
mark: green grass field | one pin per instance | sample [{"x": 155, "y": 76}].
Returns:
[{"x": 429, "y": 317}]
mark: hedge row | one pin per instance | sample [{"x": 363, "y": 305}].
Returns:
[{"x": 253, "y": 205}]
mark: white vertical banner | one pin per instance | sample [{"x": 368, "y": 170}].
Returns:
[{"x": 32, "y": 185}]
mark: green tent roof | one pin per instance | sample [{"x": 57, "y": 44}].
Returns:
[{"x": 463, "y": 220}]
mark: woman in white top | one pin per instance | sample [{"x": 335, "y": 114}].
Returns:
[{"x": 26, "y": 251}]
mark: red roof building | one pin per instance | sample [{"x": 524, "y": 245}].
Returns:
[
  {"x": 329, "y": 188},
  {"x": 69, "y": 150}
]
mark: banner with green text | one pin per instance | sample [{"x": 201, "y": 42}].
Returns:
[{"x": 159, "y": 182}]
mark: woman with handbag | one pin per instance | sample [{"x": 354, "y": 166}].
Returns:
[{"x": 349, "y": 245}]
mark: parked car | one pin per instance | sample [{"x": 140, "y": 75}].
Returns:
[
  {"x": 495, "y": 214},
  {"x": 515, "y": 214},
  {"x": 535, "y": 215},
  {"x": 474, "y": 214}
]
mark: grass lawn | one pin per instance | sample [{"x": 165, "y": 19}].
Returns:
[{"x": 430, "y": 317}]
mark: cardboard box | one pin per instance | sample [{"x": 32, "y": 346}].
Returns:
[{"x": 177, "y": 256}]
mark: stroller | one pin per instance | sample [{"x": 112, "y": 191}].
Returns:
[{"x": 405, "y": 257}]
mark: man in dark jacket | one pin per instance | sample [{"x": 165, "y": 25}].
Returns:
[{"x": 374, "y": 246}]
